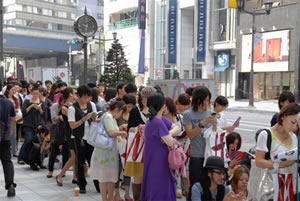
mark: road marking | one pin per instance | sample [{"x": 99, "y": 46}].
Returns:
[
  {"x": 243, "y": 129},
  {"x": 250, "y": 122}
]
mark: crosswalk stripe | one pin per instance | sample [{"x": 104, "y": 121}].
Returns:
[
  {"x": 243, "y": 129},
  {"x": 249, "y": 122}
]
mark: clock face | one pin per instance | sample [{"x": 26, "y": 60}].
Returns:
[{"x": 85, "y": 26}]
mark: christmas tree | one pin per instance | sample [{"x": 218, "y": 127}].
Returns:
[{"x": 116, "y": 69}]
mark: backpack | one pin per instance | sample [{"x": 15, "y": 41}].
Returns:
[
  {"x": 269, "y": 143},
  {"x": 176, "y": 158}
]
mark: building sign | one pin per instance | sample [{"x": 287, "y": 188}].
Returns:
[
  {"x": 223, "y": 59},
  {"x": 200, "y": 30},
  {"x": 271, "y": 53},
  {"x": 172, "y": 28},
  {"x": 142, "y": 14},
  {"x": 159, "y": 72}
]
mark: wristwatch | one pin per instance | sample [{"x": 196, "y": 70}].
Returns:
[{"x": 200, "y": 125}]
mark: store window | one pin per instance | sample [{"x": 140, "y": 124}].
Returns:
[
  {"x": 223, "y": 22},
  {"x": 267, "y": 85}
]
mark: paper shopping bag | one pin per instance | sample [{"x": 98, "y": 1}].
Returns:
[
  {"x": 135, "y": 146},
  {"x": 283, "y": 187}
]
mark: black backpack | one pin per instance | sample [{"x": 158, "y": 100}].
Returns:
[{"x": 269, "y": 143}]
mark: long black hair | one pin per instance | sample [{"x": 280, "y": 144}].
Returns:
[{"x": 155, "y": 102}]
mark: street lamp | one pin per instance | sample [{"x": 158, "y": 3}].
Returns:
[
  {"x": 268, "y": 7},
  {"x": 103, "y": 41}
]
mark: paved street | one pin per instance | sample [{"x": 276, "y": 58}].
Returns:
[
  {"x": 250, "y": 123},
  {"x": 34, "y": 186}
]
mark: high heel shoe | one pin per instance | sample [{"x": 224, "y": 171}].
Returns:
[{"x": 58, "y": 183}]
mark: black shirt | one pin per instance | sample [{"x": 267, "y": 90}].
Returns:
[
  {"x": 31, "y": 119},
  {"x": 135, "y": 118},
  {"x": 274, "y": 119},
  {"x": 7, "y": 111}
]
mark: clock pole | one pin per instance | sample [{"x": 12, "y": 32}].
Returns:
[{"x": 85, "y": 61}]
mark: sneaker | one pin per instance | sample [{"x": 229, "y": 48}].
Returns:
[{"x": 11, "y": 192}]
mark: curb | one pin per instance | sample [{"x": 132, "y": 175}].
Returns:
[{"x": 250, "y": 110}]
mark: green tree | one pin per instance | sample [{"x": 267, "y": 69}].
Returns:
[{"x": 116, "y": 69}]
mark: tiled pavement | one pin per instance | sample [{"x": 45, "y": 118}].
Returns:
[{"x": 34, "y": 186}]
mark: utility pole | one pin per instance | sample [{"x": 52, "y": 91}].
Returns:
[{"x": 85, "y": 77}]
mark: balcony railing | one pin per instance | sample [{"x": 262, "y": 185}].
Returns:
[{"x": 123, "y": 24}]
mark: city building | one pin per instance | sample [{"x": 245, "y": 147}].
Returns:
[
  {"x": 276, "y": 53},
  {"x": 36, "y": 32},
  {"x": 203, "y": 45}
]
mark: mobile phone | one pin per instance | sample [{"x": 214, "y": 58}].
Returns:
[
  {"x": 213, "y": 114},
  {"x": 99, "y": 114},
  {"x": 237, "y": 121}
]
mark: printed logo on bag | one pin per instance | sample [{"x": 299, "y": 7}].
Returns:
[
  {"x": 283, "y": 187},
  {"x": 218, "y": 146}
]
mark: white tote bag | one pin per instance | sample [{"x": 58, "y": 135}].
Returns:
[
  {"x": 135, "y": 146},
  {"x": 260, "y": 185},
  {"x": 98, "y": 137}
]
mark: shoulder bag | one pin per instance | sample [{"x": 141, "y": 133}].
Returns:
[{"x": 98, "y": 137}]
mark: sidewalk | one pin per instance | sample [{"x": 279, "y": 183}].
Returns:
[
  {"x": 265, "y": 106},
  {"x": 34, "y": 186}
]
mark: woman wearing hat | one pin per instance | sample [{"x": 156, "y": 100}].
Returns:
[{"x": 210, "y": 186}]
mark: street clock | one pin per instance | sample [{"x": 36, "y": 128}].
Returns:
[{"x": 85, "y": 25}]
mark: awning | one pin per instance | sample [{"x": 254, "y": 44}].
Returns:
[{"x": 220, "y": 69}]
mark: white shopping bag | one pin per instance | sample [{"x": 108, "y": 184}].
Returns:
[
  {"x": 135, "y": 146},
  {"x": 216, "y": 144},
  {"x": 283, "y": 187}
]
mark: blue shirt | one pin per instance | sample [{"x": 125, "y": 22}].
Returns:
[{"x": 6, "y": 111}]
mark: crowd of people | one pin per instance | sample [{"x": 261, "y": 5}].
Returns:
[{"x": 52, "y": 119}]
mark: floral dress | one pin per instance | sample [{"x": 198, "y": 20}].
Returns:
[{"x": 104, "y": 163}]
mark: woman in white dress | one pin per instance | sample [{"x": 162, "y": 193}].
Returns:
[{"x": 104, "y": 163}]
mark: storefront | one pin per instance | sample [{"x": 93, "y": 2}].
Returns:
[
  {"x": 271, "y": 65},
  {"x": 267, "y": 85}
]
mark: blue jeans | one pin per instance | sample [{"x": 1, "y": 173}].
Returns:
[{"x": 27, "y": 137}]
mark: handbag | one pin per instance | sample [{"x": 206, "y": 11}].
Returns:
[
  {"x": 177, "y": 159},
  {"x": 98, "y": 137},
  {"x": 58, "y": 135},
  {"x": 135, "y": 146},
  {"x": 260, "y": 185}
]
